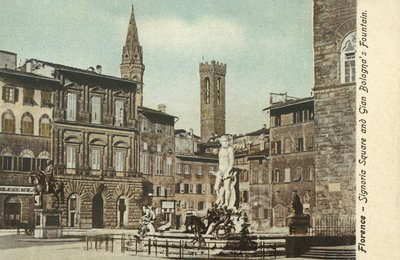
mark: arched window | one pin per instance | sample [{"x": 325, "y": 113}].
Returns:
[
  {"x": 347, "y": 58},
  {"x": 27, "y": 162},
  {"x": 8, "y": 122},
  {"x": 219, "y": 91},
  {"x": 44, "y": 127},
  {"x": 207, "y": 93},
  {"x": 27, "y": 124}
]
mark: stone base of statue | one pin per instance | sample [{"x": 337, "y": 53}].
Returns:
[
  {"x": 48, "y": 223},
  {"x": 298, "y": 224}
]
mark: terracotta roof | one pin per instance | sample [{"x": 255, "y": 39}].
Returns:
[{"x": 289, "y": 103}]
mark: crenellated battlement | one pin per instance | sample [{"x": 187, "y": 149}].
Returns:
[{"x": 213, "y": 67}]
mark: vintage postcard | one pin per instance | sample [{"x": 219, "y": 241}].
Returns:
[{"x": 199, "y": 129}]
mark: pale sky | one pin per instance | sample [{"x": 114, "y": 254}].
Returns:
[{"x": 266, "y": 44}]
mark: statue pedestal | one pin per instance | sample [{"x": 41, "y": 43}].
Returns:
[
  {"x": 298, "y": 224},
  {"x": 48, "y": 223}
]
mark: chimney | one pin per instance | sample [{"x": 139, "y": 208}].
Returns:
[
  {"x": 98, "y": 69},
  {"x": 162, "y": 108}
]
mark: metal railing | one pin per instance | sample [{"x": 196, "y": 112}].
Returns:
[{"x": 183, "y": 248}]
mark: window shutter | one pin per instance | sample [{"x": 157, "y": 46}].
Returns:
[
  {"x": 16, "y": 92},
  {"x": 203, "y": 189},
  {"x": 177, "y": 188},
  {"x": 4, "y": 93}
]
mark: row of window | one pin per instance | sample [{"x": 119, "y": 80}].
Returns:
[
  {"x": 288, "y": 176},
  {"x": 11, "y": 94},
  {"x": 276, "y": 147},
  {"x": 96, "y": 109},
  {"x": 23, "y": 164},
  {"x": 201, "y": 205},
  {"x": 158, "y": 128},
  {"x": 186, "y": 169},
  {"x": 27, "y": 124},
  {"x": 298, "y": 117},
  {"x": 187, "y": 188},
  {"x": 207, "y": 92},
  {"x": 96, "y": 158}
]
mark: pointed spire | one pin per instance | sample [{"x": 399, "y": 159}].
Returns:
[{"x": 132, "y": 49}]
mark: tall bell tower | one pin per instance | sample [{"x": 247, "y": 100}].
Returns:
[
  {"x": 132, "y": 67},
  {"x": 212, "y": 99}
]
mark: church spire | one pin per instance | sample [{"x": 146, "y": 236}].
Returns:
[
  {"x": 132, "y": 67},
  {"x": 132, "y": 52}
]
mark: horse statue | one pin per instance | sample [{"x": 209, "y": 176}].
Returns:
[{"x": 45, "y": 184}]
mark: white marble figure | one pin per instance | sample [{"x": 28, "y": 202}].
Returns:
[{"x": 225, "y": 176}]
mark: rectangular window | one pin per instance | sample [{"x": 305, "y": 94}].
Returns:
[
  {"x": 29, "y": 97},
  {"x": 159, "y": 128},
  {"x": 119, "y": 161},
  {"x": 191, "y": 187},
  {"x": 96, "y": 110},
  {"x": 46, "y": 98},
  {"x": 178, "y": 168},
  {"x": 186, "y": 188},
  {"x": 187, "y": 169},
  {"x": 200, "y": 205},
  {"x": 310, "y": 173},
  {"x": 159, "y": 165},
  {"x": 276, "y": 175},
  {"x": 300, "y": 145},
  {"x": 182, "y": 188},
  {"x": 287, "y": 175},
  {"x": 159, "y": 148},
  {"x": 245, "y": 196},
  {"x": 199, "y": 188},
  {"x": 7, "y": 163},
  {"x": 71, "y": 107},
  {"x": 278, "y": 147},
  {"x": 169, "y": 165},
  {"x": 96, "y": 159},
  {"x": 278, "y": 120},
  {"x": 212, "y": 189},
  {"x": 199, "y": 170},
  {"x": 145, "y": 125},
  {"x": 10, "y": 94},
  {"x": 71, "y": 157},
  {"x": 119, "y": 113},
  {"x": 254, "y": 175},
  {"x": 310, "y": 143},
  {"x": 145, "y": 147},
  {"x": 145, "y": 164}
]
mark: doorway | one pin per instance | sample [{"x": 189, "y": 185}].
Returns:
[
  {"x": 97, "y": 211},
  {"x": 12, "y": 212}
]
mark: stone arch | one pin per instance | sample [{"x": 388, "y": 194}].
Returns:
[{"x": 123, "y": 189}]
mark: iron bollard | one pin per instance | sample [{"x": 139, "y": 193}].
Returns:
[
  {"x": 149, "y": 247},
  {"x": 275, "y": 249},
  {"x": 136, "y": 242},
  {"x": 112, "y": 244},
  {"x": 166, "y": 248}
]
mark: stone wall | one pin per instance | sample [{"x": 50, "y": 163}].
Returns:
[{"x": 335, "y": 111}]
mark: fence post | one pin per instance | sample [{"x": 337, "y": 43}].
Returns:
[
  {"x": 208, "y": 247},
  {"x": 166, "y": 247},
  {"x": 275, "y": 249},
  {"x": 95, "y": 242},
  {"x": 122, "y": 243},
  {"x": 112, "y": 244},
  {"x": 87, "y": 243},
  {"x": 180, "y": 248},
  {"x": 155, "y": 244},
  {"x": 136, "y": 242},
  {"x": 106, "y": 244},
  {"x": 149, "y": 247},
  {"x": 262, "y": 249}
]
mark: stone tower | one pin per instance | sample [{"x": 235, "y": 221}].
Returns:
[
  {"x": 132, "y": 67},
  {"x": 212, "y": 99},
  {"x": 335, "y": 107}
]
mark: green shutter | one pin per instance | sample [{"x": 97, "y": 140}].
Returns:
[{"x": 16, "y": 95}]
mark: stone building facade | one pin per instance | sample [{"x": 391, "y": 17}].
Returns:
[
  {"x": 157, "y": 160},
  {"x": 292, "y": 157},
  {"x": 335, "y": 106},
  {"x": 25, "y": 139},
  {"x": 212, "y": 99}
]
